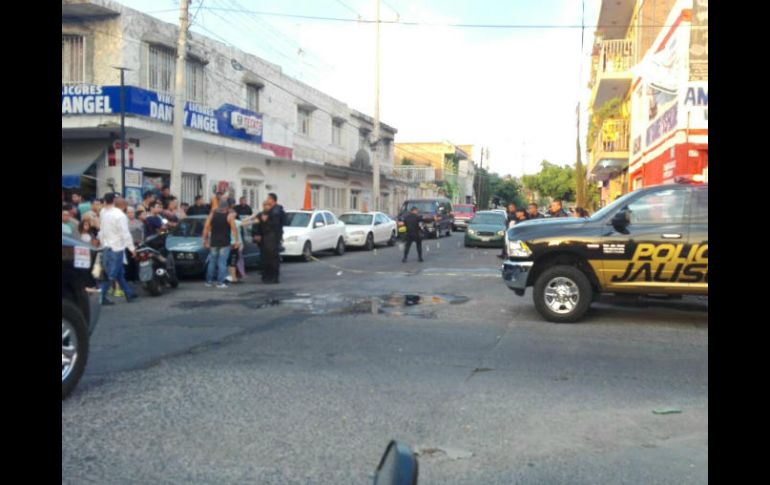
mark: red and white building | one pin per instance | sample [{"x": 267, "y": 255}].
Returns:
[{"x": 669, "y": 101}]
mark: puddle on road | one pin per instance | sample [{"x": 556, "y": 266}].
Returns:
[{"x": 396, "y": 304}]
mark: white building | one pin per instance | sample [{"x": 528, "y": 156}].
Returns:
[{"x": 249, "y": 129}]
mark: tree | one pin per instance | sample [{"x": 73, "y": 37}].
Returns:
[
  {"x": 406, "y": 161},
  {"x": 552, "y": 181},
  {"x": 509, "y": 190}
]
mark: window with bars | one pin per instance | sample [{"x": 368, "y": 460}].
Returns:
[
  {"x": 73, "y": 54},
  {"x": 315, "y": 194},
  {"x": 161, "y": 69},
  {"x": 195, "y": 81},
  {"x": 303, "y": 121},
  {"x": 252, "y": 97},
  {"x": 161, "y": 73},
  {"x": 337, "y": 132}
]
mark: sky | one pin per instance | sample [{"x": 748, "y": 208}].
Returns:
[{"x": 513, "y": 91}]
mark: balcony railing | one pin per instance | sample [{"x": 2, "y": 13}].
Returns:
[
  {"x": 612, "y": 138},
  {"x": 617, "y": 56},
  {"x": 410, "y": 173}
]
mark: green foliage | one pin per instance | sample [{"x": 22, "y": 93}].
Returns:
[
  {"x": 406, "y": 161},
  {"x": 609, "y": 110},
  {"x": 552, "y": 181}
]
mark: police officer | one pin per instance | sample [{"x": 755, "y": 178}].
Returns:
[
  {"x": 272, "y": 220},
  {"x": 557, "y": 210},
  {"x": 510, "y": 219},
  {"x": 413, "y": 225}
]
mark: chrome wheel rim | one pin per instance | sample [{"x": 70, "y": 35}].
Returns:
[
  {"x": 69, "y": 349},
  {"x": 561, "y": 295}
]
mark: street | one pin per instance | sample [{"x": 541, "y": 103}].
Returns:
[{"x": 307, "y": 381}]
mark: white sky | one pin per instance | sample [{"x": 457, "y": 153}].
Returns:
[{"x": 513, "y": 91}]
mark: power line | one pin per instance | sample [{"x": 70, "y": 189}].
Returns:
[
  {"x": 423, "y": 24},
  {"x": 348, "y": 7}
]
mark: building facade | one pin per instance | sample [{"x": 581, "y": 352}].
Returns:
[
  {"x": 649, "y": 99},
  {"x": 453, "y": 168},
  {"x": 249, "y": 129}
]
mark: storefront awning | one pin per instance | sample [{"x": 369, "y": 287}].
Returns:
[{"x": 78, "y": 157}]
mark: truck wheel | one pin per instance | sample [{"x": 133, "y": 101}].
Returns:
[
  {"x": 173, "y": 279},
  {"x": 74, "y": 346},
  {"x": 562, "y": 294}
]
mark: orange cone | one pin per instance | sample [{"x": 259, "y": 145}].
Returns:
[{"x": 308, "y": 204}]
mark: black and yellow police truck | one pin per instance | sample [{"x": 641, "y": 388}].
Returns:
[{"x": 650, "y": 241}]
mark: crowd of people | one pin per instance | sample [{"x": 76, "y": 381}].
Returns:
[
  {"x": 117, "y": 229},
  {"x": 515, "y": 214}
]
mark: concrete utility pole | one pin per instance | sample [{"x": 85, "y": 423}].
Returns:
[
  {"x": 179, "y": 97},
  {"x": 580, "y": 183},
  {"x": 478, "y": 192},
  {"x": 376, "y": 146}
]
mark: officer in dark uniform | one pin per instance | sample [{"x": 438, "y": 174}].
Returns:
[
  {"x": 272, "y": 220},
  {"x": 413, "y": 224}
]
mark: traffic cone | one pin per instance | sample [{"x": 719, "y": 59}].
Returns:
[{"x": 308, "y": 204}]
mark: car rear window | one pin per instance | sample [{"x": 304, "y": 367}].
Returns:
[{"x": 465, "y": 210}]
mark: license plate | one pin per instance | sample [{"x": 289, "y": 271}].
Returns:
[
  {"x": 82, "y": 257},
  {"x": 145, "y": 271},
  {"x": 485, "y": 239}
]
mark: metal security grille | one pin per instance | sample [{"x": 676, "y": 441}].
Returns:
[
  {"x": 73, "y": 65},
  {"x": 162, "y": 62},
  {"x": 192, "y": 185},
  {"x": 252, "y": 97},
  {"x": 195, "y": 81}
]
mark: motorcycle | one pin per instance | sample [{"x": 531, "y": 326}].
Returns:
[{"x": 157, "y": 268}]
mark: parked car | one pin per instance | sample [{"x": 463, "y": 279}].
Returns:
[
  {"x": 651, "y": 241},
  {"x": 367, "y": 229},
  {"x": 435, "y": 213},
  {"x": 487, "y": 228},
  {"x": 307, "y": 232},
  {"x": 80, "y": 308},
  {"x": 185, "y": 243},
  {"x": 462, "y": 214}
]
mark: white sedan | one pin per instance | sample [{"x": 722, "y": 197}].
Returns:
[
  {"x": 307, "y": 232},
  {"x": 366, "y": 229}
]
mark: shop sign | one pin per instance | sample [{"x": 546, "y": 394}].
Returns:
[
  {"x": 227, "y": 120},
  {"x": 661, "y": 126}
]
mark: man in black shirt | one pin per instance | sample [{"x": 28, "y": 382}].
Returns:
[
  {"x": 556, "y": 209},
  {"x": 533, "y": 213},
  {"x": 413, "y": 224},
  {"x": 271, "y": 225},
  {"x": 198, "y": 208},
  {"x": 243, "y": 209}
]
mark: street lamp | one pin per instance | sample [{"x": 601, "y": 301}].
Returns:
[{"x": 122, "y": 126}]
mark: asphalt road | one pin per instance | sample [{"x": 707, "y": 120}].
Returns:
[{"x": 307, "y": 381}]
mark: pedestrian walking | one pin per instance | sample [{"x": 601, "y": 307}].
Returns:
[
  {"x": 165, "y": 196},
  {"x": 236, "y": 247},
  {"x": 413, "y": 224},
  {"x": 148, "y": 201},
  {"x": 115, "y": 238},
  {"x": 272, "y": 220},
  {"x": 218, "y": 232},
  {"x": 88, "y": 233}
]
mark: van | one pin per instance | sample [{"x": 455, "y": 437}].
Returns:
[{"x": 436, "y": 215}]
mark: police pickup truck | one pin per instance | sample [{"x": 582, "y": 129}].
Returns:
[{"x": 650, "y": 241}]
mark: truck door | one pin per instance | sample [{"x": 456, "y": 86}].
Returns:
[{"x": 649, "y": 252}]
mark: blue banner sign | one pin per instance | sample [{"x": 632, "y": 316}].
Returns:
[
  {"x": 662, "y": 125},
  {"x": 228, "y": 120}
]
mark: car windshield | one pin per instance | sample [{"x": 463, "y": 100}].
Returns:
[
  {"x": 488, "y": 219},
  {"x": 357, "y": 219},
  {"x": 466, "y": 210},
  {"x": 601, "y": 213},
  {"x": 189, "y": 228},
  {"x": 426, "y": 206},
  {"x": 297, "y": 219}
]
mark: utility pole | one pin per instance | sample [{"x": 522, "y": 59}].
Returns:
[
  {"x": 580, "y": 183},
  {"x": 478, "y": 191},
  {"x": 179, "y": 96},
  {"x": 123, "y": 128},
  {"x": 376, "y": 145}
]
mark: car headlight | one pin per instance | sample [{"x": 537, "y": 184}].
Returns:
[
  {"x": 292, "y": 239},
  {"x": 471, "y": 232},
  {"x": 501, "y": 233},
  {"x": 518, "y": 249}
]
